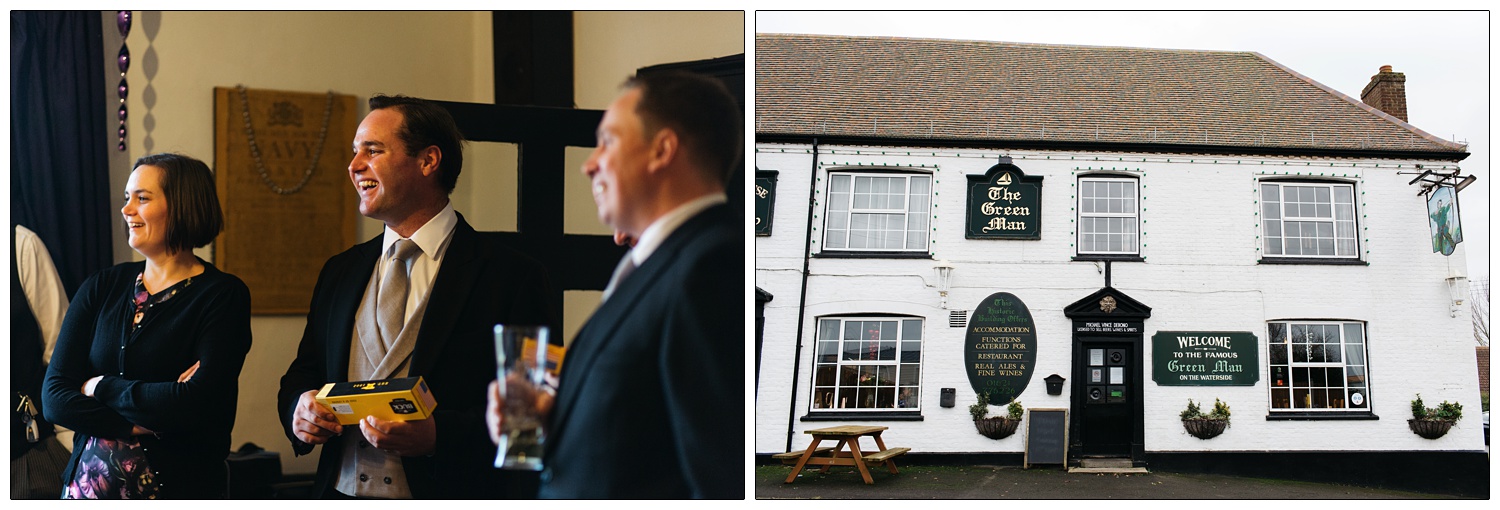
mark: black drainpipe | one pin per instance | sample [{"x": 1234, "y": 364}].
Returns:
[{"x": 812, "y": 188}]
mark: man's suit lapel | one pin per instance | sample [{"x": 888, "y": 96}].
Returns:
[
  {"x": 606, "y": 320},
  {"x": 589, "y": 344},
  {"x": 455, "y": 281},
  {"x": 346, "y": 306}
]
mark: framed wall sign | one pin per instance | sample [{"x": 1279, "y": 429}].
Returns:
[
  {"x": 1205, "y": 358},
  {"x": 765, "y": 200},
  {"x": 1000, "y": 347},
  {"x": 1004, "y": 203},
  {"x": 281, "y": 167}
]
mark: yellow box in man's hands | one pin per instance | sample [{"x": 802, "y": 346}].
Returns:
[{"x": 404, "y": 399}]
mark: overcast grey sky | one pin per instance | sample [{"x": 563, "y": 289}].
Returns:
[{"x": 1445, "y": 56}]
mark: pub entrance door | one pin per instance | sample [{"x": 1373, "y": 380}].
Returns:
[
  {"x": 1107, "y": 376},
  {"x": 1108, "y": 369}
]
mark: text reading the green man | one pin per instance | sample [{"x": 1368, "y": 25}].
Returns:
[{"x": 1004, "y": 203}]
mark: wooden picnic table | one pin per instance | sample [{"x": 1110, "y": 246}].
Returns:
[{"x": 847, "y": 452}]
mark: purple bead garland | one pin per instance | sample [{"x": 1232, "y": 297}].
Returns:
[
  {"x": 124, "y": 58},
  {"x": 122, "y": 21}
]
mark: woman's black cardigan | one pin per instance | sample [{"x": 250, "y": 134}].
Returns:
[{"x": 208, "y": 321}]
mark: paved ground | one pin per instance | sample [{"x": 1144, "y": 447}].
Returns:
[{"x": 989, "y": 482}]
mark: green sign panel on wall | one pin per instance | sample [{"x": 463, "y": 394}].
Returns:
[
  {"x": 765, "y": 201},
  {"x": 1004, "y": 203},
  {"x": 1205, "y": 358},
  {"x": 1000, "y": 347}
]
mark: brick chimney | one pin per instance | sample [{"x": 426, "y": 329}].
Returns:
[{"x": 1387, "y": 93}]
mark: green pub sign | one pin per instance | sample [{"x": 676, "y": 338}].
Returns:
[
  {"x": 1004, "y": 203},
  {"x": 1205, "y": 358},
  {"x": 765, "y": 200},
  {"x": 1000, "y": 347}
]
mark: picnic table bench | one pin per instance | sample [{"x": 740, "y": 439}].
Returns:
[{"x": 847, "y": 437}]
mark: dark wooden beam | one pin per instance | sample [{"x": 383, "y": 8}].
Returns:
[
  {"x": 573, "y": 261},
  {"x": 533, "y": 58}
]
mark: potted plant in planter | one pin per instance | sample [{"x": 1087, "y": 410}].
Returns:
[
  {"x": 1205, "y": 426},
  {"x": 1432, "y": 423},
  {"x": 997, "y": 427}
]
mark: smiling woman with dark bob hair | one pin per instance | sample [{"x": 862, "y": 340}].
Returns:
[{"x": 147, "y": 364}]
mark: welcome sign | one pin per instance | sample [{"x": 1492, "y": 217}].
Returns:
[
  {"x": 1004, "y": 203},
  {"x": 1205, "y": 358}
]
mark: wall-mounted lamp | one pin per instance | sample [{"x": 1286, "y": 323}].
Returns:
[
  {"x": 1457, "y": 290},
  {"x": 944, "y": 272}
]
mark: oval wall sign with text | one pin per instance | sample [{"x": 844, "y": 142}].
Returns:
[{"x": 1000, "y": 348}]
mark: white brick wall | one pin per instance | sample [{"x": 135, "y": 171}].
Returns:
[{"x": 1201, "y": 273}]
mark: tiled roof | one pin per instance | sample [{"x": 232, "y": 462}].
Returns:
[{"x": 881, "y": 87}]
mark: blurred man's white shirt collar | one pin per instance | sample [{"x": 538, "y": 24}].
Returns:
[{"x": 663, "y": 227}]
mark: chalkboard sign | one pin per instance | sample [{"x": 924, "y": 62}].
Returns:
[{"x": 1046, "y": 436}]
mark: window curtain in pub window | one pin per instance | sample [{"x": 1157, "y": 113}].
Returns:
[{"x": 59, "y": 160}]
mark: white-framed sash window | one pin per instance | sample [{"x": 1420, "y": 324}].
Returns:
[
  {"x": 867, "y": 363},
  {"x": 1108, "y": 216},
  {"x": 1309, "y": 220},
  {"x": 878, "y": 212}
]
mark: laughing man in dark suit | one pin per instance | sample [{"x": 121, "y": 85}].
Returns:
[
  {"x": 419, "y": 300},
  {"x": 651, "y": 396}
]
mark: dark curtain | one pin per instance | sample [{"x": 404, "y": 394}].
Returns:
[{"x": 59, "y": 159}]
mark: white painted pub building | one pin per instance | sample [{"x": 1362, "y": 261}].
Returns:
[{"x": 937, "y": 218}]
